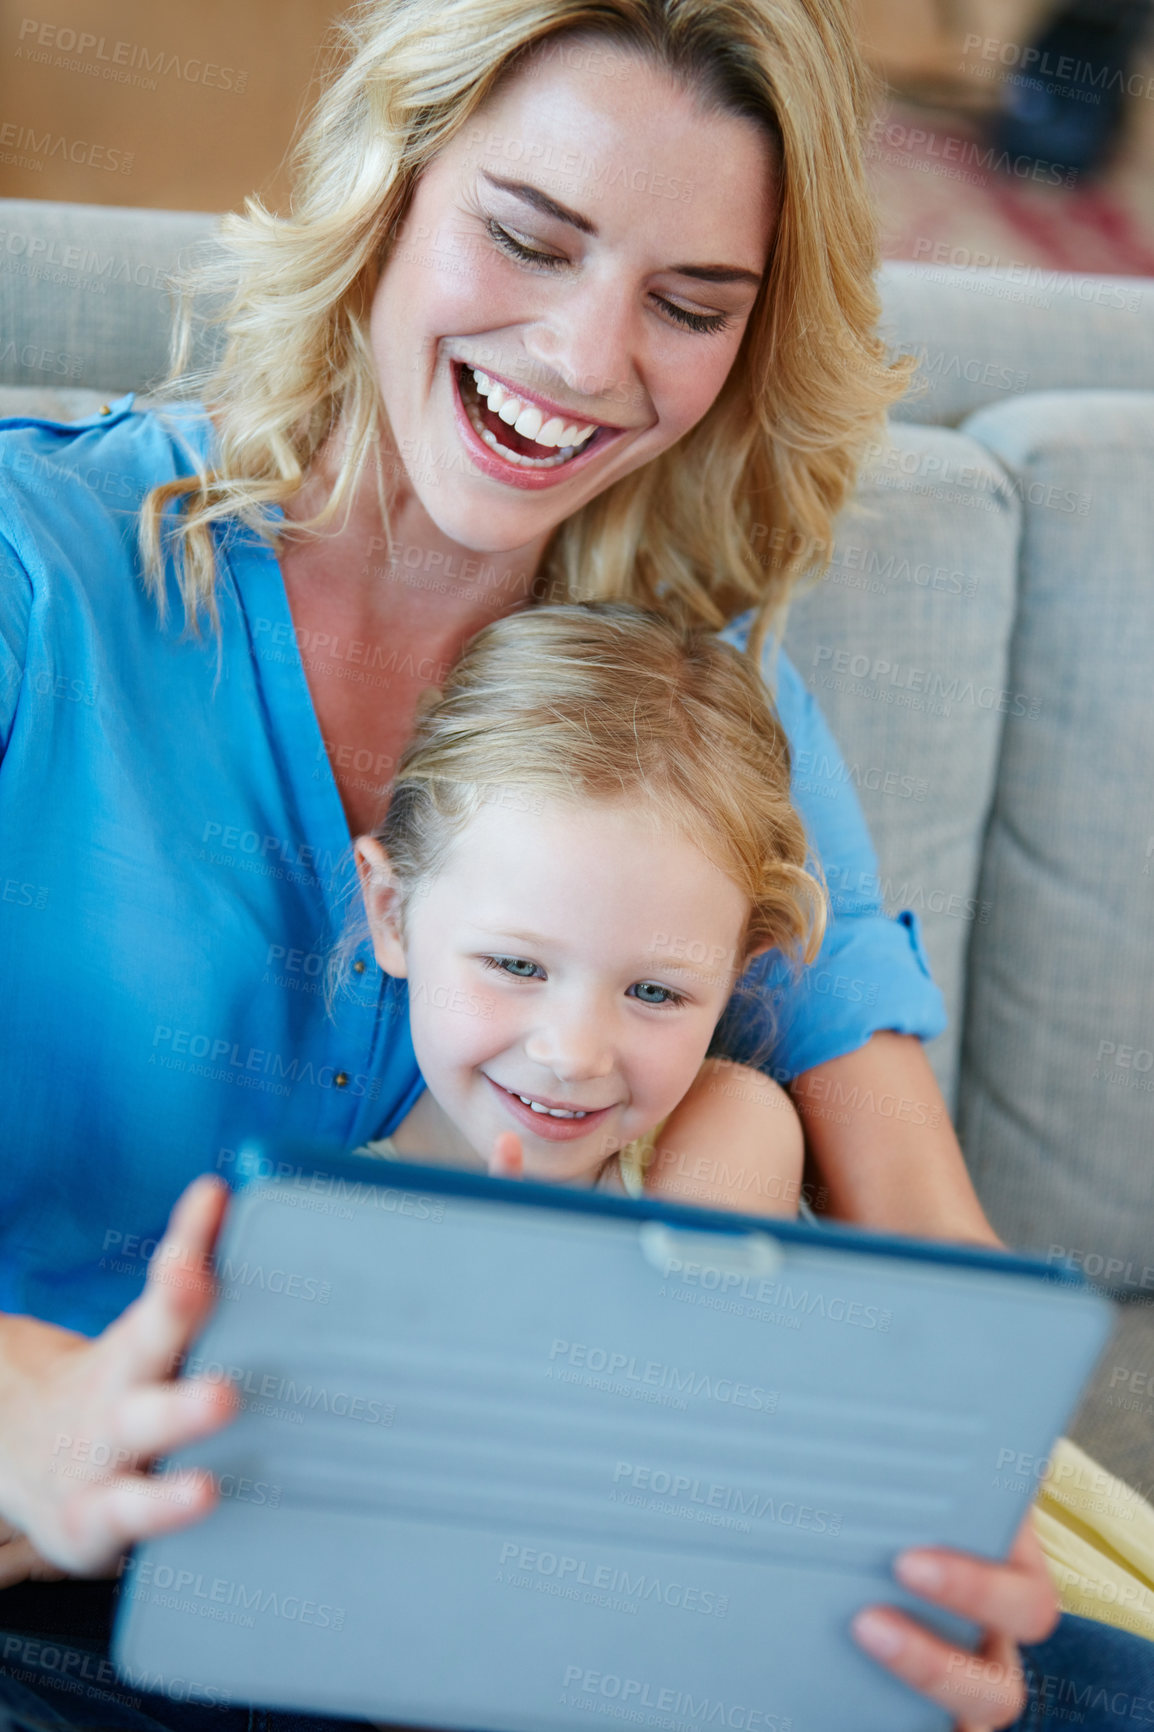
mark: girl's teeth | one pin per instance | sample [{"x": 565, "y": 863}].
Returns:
[{"x": 553, "y": 1112}]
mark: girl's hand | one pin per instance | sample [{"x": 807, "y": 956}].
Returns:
[
  {"x": 81, "y": 1419},
  {"x": 508, "y": 1158},
  {"x": 1014, "y": 1602}
]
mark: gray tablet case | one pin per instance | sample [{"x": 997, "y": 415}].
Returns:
[{"x": 530, "y": 1459}]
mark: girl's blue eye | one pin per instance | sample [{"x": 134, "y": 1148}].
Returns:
[
  {"x": 671, "y": 997},
  {"x": 703, "y": 322},
  {"x": 509, "y": 965}
]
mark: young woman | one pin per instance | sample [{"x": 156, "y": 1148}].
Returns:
[{"x": 642, "y": 228}]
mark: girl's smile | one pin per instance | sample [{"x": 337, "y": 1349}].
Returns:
[{"x": 549, "y": 1118}]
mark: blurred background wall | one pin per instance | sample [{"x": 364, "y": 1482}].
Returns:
[{"x": 994, "y": 143}]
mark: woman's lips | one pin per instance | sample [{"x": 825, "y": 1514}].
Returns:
[
  {"x": 513, "y": 474},
  {"x": 553, "y": 1130}
]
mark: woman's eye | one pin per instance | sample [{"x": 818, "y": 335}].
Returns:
[
  {"x": 511, "y": 965},
  {"x": 527, "y": 255},
  {"x": 644, "y": 987},
  {"x": 703, "y": 322}
]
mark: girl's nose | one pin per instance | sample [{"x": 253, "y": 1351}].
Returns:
[{"x": 575, "y": 1047}]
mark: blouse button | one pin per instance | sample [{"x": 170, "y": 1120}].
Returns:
[
  {"x": 341, "y": 1079},
  {"x": 358, "y": 966},
  {"x": 106, "y": 409}
]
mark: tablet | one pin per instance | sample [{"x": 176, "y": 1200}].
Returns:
[{"x": 529, "y": 1459}]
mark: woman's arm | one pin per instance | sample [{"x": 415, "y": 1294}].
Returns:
[{"x": 882, "y": 1145}]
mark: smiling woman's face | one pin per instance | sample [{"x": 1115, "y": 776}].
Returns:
[{"x": 651, "y": 222}]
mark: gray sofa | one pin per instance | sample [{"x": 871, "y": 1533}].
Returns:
[{"x": 983, "y": 647}]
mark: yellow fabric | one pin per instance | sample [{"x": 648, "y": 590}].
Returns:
[
  {"x": 1098, "y": 1537},
  {"x": 636, "y": 1158}
]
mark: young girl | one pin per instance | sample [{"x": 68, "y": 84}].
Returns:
[{"x": 589, "y": 838}]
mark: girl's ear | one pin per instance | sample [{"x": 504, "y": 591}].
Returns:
[{"x": 382, "y": 904}]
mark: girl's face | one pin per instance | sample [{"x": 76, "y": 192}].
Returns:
[
  {"x": 570, "y": 955},
  {"x": 591, "y": 243}
]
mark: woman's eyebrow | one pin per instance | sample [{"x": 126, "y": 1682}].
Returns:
[{"x": 540, "y": 201}]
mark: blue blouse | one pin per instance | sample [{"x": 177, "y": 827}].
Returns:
[{"x": 175, "y": 863}]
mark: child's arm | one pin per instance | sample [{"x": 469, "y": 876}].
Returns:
[{"x": 734, "y": 1141}]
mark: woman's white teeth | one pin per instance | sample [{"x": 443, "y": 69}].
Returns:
[
  {"x": 527, "y": 419},
  {"x": 553, "y": 1112}
]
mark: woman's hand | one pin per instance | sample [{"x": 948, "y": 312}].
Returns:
[
  {"x": 21, "y": 1562},
  {"x": 1014, "y": 1602},
  {"x": 81, "y": 1419}
]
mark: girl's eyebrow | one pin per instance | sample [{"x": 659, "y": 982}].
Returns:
[{"x": 540, "y": 201}]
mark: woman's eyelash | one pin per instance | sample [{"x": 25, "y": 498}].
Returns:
[
  {"x": 498, "y": 962},
  {"x": 704, "y": 322}
]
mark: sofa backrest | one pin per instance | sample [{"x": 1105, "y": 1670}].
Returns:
[
  {"x": 85, "y": 303},
  {"x": 981, "y": 646}
]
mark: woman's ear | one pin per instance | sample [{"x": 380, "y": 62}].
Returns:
[{"x": 382, "y": 904}]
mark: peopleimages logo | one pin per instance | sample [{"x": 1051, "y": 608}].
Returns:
[
  {"x": 656, "y": 1375},
  {"x": 559, "y": 1572},
  {"x": 634, "y": 1693},
  {"x": 731, "y": 1500}
]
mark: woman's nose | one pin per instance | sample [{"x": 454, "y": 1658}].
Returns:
[{"x": 588, "y": 341}]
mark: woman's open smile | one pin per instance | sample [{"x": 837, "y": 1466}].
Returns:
[{"x": 516, "y": 436}]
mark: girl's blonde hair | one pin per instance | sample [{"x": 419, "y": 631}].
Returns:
[
  {"x": 607, "y": 701},
  {"x": 742, "y": 506}
]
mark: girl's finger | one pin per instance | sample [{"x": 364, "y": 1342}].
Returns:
[
  {"x": 980, "y": 1690},
  {"x": 508, "y": 1157}
]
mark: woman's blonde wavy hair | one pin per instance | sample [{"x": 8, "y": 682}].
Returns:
[
  {"x": 742, "y": 506},
  {"x": 604, "y": 701}
]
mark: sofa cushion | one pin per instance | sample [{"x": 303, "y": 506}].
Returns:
[
  {"x": 905, "y": 644},
  {"x": 1058, "y": 1064}
]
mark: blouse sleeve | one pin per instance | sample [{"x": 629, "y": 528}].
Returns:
[
  {"x": 15, "y": 605},
  {"x": 871, "y": 972}
]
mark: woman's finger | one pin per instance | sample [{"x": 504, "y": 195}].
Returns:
[
  {"x": 1015, "y": 1599},
  {"x": 158, "y": 1418},
  {"x": 985, "y": 1690},
  {"x": 149, "y": 1337},
  {"x": 21, "y": 1562},
  {"x": 101, "y": 1523}
]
